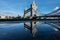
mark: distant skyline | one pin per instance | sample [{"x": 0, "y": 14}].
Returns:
[{"x": 15, "y": 7}]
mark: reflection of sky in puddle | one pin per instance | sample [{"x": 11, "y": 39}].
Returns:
[
  {"x": 15, "y": 31},
  {"x": 7, "y": 25},
  {"x": 11, "y": 30}
]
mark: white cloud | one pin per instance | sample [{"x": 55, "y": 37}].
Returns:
[
  {"x": 9, "y": 13},
  {"x": 56, "y": 8}
]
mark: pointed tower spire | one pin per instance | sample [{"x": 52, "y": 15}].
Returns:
[
  {"x": 34, "y": 5},
  {"x": 34, "y": 2}
]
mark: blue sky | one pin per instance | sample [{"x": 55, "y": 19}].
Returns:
[{"x": 15, "y": 7}]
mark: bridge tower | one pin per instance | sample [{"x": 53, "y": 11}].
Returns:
[{"x": 32, "y": 10}]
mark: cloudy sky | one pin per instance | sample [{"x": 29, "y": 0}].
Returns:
[{"x": 15, "y": 7}]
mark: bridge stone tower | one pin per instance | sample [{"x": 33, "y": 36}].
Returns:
[{"x": 32, "y": 10}]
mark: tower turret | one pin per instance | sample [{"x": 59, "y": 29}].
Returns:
[{"x": 33, "y": 9}]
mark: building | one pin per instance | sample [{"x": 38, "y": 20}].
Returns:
[
  {"x": 2, "y": 17},
  {"x": 6, "y": 17}
]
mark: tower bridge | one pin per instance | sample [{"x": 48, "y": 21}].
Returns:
[{"x": 33, "y": 12}]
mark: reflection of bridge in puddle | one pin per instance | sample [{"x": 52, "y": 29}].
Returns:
[
  {"x": 54, "y": 24},
  {"x": 33, "y": 26}
]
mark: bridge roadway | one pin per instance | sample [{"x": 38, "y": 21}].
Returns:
[{"x": 43, "y": 17}]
